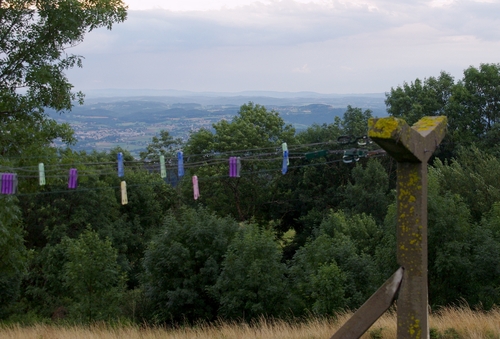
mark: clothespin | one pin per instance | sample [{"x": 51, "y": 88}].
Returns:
[
  {"x": 163, "y": 170},
  {"x": 121, "y": 170},
  {"x": 285, "y": 149},
  {"x": 123, "y": 188},
  {"x": 316, "y": 154},
  {"x": 41, "y": 170},
  {"x": 180, "y": 164},
  {"x": 231, "y": 167},
  {"x": 196, "y": 189},
  {"x": 238, "y": 166},
  {"x": 284, "y": 168},
  {"x": 9, "y": 183},
  {"x": 73, "y": 178},
  {"x": 234, "y": 167}
]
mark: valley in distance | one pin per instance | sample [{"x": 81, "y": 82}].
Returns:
[{"x": 130, "y": 118}]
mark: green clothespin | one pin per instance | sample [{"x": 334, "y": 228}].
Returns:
[
  {"x": 41, "y": 170},
  {"x": 163, "y": 170},
  {"x": 317, "y": 154}
]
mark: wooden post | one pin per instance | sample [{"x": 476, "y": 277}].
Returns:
[{"x": 412, "y": 148}]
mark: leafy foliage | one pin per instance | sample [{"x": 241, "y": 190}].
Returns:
[
  {"x": 13, "y": 254},
  {"x": 93, "y": 278},
  {"x": 252, "y": 281},
  {"x": 369, "y": 191},
  {"x": 253, "y": 127},
  {"x": 183, "y": 262},
  {"x": 317, "y": 240},
  {"x": 34, "y": 38},
  {"x": 338, "y": 259},
  {"x": 164, "y": 144},
  {"x": 471, "y": 105}
]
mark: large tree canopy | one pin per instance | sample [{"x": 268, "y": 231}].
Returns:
[
  {"x": 34, "y": 41},
  {"x": 472, "y": 105}
]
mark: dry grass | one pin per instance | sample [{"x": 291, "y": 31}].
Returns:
[{"x": 465, "y": 322}]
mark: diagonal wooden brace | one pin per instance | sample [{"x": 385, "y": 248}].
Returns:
[{"x": 372, "y": 309}]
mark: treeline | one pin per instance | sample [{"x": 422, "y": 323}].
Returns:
[{"x": 318, "y": 239}]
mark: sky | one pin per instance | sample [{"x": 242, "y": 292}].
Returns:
[{"x": 325, "y": 46}]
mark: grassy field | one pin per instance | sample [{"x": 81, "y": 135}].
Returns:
[{"x": 450, "y": 323}]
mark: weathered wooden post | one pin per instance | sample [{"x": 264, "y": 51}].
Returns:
[{"x": 411, "y": 147}]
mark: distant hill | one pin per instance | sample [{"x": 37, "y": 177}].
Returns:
[{"x": 130, "y": 121}]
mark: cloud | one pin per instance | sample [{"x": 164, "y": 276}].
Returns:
[
  {"x": 289, "y": 22},
  {"x": 303, "y": 69},
  {"x": 367, "y": 44}
]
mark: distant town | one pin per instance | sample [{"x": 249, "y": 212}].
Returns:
[{"x": 131, "y": 122}]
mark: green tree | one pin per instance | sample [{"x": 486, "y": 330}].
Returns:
[
  {"x": 486, "y": 256},
  {"x": 183, "y": 262},
  {"x": 317, "y": 281},
  {"x": 34, "y": 39},
  {"x": 449, "y": 245},
  {"x": 13, "y": 254},
  {"x": 369, "y": 190},
  {"x": 342, "y": 249},
  {"x": 252, "y": 282},
  {"x": 473, "y": 176},
  {"x": 93, "y": 277},
  {"x": 417, "y": 99},
  {"x": 253, "y": 127},
  {"x": 354, "y": 122},
  {"x": 163, "y": 144},
  {"x": 247, "y": 134},
  {"x": 319, "y": 133},
  {"x": 471, "y": 105},
  {"x": 474, "y": 105}
]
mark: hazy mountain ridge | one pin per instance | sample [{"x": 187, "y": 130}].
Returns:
[{"x": 131, "y": 121}]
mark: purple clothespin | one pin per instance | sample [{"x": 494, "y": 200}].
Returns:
[
  {"x": 234, "y": 167},
  {"x": 231, "y": 167},
  {"x": 9, "y": 183},
  {"x": 4, "y": 183},
  {"x": 73, "y": 178}
]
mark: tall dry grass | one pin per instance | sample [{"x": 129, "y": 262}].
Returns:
[{"x": 465, "y": 322}]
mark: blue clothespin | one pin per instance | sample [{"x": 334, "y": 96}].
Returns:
[
  {"x": 73, "y": 178},
  {"x": 284, "y": 169},
  {"x": 121, "y": 170},
  {"x": 285, "y": 148},
  {"x": 180, "y": 164}
]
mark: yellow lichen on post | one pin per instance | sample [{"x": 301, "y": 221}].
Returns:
[
  {"x": 415, "y": 330},
  {"x": 383, "y": 128},
  {"x": 429, "y": 123}
]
